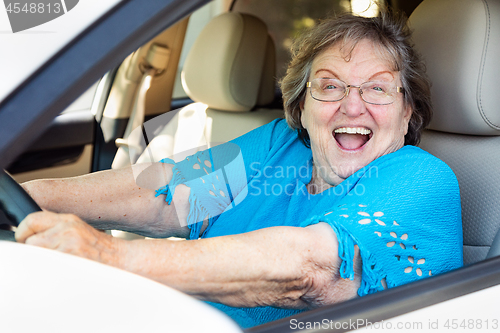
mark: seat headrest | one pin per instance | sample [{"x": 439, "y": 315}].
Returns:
[
  {"x": 231, "y": 64},
  {"x": 460, "y": 43}
]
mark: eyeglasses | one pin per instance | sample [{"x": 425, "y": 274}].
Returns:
[{"x": 333, "y": 90}]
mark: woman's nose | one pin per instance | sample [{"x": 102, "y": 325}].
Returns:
[{"x": 353, "y": 105}]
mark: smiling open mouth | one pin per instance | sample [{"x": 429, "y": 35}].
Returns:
[{"x": 352, "y": 138}]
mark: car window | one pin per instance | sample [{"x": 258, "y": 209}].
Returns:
[{"x": 24, "y": 51}]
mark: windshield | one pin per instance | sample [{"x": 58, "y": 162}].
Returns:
[{"x": 23, "y": 52}]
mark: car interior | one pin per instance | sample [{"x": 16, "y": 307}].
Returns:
[{"x": 229, "y": 75}]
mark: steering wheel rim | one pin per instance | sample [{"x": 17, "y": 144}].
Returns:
[{"x": 15, "y": 202}]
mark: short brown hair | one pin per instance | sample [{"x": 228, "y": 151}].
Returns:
[{"x": 390, "y": 32}]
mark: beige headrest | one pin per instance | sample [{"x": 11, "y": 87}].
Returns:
[
  {"x": 460, "y": 43},
  {"x": 225, "y": 66}
]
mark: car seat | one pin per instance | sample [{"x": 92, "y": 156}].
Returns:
[
  {"x": 460, "y": 43},
  {"x": 229, "y": 73}
]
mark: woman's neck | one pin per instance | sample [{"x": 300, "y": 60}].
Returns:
[{"x": 318, "y": 184}]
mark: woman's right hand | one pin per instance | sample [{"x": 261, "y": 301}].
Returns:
[{"x": 69, "y": 234}]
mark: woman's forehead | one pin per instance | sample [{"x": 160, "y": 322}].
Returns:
[{"x": 363, "y": 55}]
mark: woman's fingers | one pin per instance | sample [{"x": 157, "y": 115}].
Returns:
[
  {"x": 66, "y": 233},
  {"x": 35, "y": 223}
]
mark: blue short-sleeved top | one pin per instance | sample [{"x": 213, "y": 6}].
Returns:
[{"x": 402, "y": 210}]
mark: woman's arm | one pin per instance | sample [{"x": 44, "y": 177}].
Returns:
[
  {"x": 121, "y": 199},
  {"x": 281, "y": 266},
  {"x": 284, "y": 267}
]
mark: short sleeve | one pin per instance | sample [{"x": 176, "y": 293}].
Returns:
[
  {"x": 218, "y": 175},
  {"x": 403, "y": 211}
]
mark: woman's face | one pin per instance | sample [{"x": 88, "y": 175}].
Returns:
[{"x": 338, "y": 155}]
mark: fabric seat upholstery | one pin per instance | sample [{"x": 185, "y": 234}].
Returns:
[{"x": 460, "y": 43}]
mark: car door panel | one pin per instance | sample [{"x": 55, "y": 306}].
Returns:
[{"x": 65, "y": 148}]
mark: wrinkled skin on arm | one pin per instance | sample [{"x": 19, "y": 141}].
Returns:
[{"x": 115, "y": 199}]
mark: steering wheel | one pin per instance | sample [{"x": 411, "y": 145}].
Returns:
[{"x": 15, "y": 203}]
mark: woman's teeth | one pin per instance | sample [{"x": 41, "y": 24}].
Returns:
[{"x": 353, "y": 130}]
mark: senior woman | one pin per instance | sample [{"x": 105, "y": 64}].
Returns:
[{"x": 333, "y": 203}]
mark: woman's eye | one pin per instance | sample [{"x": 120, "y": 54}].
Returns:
[
  {"x": 329, "y": 86},
  {"x": 378, "y": 89}
]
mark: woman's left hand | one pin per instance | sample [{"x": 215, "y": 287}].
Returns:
[{"x": 67, "y": 233}]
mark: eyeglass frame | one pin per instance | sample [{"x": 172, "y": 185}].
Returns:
[{"x": 347, "y": 90}]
